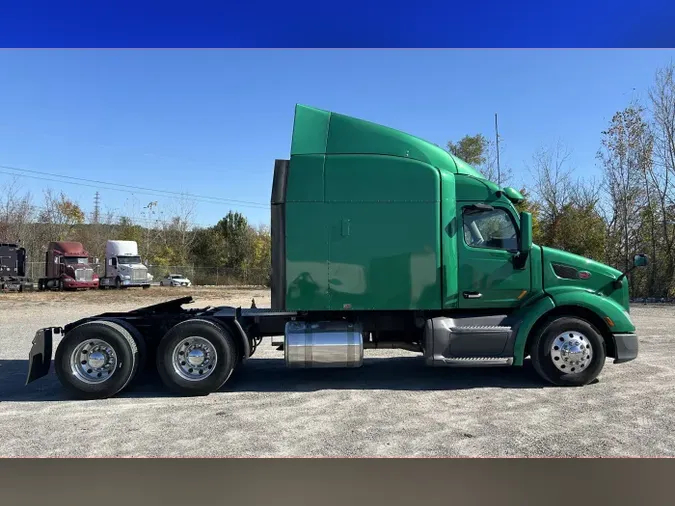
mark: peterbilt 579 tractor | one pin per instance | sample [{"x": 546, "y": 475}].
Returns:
[{"x": 379, "y": 240}]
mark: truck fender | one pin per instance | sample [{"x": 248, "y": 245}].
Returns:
[
  {"x": 528, "y": 316},
  {"x": 234, "y": 327},
  {"x": 603, "y": 307}
]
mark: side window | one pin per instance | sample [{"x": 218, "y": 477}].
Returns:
[{"x": 493, "y": 228}]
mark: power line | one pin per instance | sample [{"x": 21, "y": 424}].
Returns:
[{"x": 138, "y": 189}]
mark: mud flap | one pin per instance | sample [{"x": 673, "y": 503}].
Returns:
[{"x": 40, "y": 356}]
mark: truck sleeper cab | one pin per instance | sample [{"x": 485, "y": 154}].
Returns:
[
  {"x": 124, "y": 267},
  {"x": 379, "y": 240},
  {"x": 13, "y": 268}
]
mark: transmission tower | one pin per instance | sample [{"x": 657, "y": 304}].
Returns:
[{"x": 97, "y": 208}]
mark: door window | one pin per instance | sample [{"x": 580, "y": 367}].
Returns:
[{"x": 489, "y": 228}]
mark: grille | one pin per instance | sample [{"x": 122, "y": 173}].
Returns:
[
  {"x": 139, "y": 275},
  {"x": 84, "y": 274}
]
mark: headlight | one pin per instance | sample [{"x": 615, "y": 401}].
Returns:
[{"x": 126, "y": 276}]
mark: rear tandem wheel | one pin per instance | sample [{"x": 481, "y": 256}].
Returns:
[
  {"x": 96, "y": 360},
  {"x": 196, "y": 357}
]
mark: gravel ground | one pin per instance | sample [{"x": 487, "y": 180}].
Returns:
[{"x": 392, "y": 406}]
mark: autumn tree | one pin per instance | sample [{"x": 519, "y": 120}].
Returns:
[
  {"x": 624, "y": 156},
  {"x": 660, "y": 176}
]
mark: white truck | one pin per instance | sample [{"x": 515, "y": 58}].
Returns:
[{"x": 123, "y": 266}]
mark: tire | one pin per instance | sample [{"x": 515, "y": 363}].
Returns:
[
  {"x": 68, "y": 367},
  {"x": 574, "y": 369},
  {"x": 145, "y": 287},
  {"x": 211, "y": 337},
  {"x": 140, "y": 344}
]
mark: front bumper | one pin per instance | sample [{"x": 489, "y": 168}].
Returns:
[
  {"x": 80, "y": 284},
  {"x": 626, "y": 346}
]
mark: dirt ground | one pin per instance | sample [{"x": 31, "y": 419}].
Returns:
[{"x": 392, "y": 406}]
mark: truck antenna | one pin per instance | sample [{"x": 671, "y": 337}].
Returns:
[{"x": 499, "y": 174}]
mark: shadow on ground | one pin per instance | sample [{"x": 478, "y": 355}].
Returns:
[{"x": 271, "y": 375}]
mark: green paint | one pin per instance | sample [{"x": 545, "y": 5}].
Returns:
[
  {"x": 513, "y": 195},
  {"x": 381, "y": 220}
]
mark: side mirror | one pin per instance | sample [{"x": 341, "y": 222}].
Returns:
[
  {"x": 640, "y": 260},
  {"x": 525, "y": 232}
]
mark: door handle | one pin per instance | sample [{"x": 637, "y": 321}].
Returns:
[{"x": 472, "y": 295}]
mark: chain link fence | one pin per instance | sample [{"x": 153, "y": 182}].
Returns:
[
  {"x": 197, "y": 275},
  {"x": 214, "y": 275}
]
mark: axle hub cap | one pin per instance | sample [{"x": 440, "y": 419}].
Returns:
[
  {"x": 571, "y": 352},
  {"x": 93, "y": 361},
  {"x": 194, "y": 358}
]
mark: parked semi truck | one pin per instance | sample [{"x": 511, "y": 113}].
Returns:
[
  {"x": 379, "y": 240},
  {"x": 124, "y": 267},
  {"x": 68, "y": 267},
  {"x": 13, "y": 268}
]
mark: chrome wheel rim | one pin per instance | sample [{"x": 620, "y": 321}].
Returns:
[
  {"x": 93, "y": 361},
  {"x": 194, "y": 358},
  {"x": 571, "y": 352}
]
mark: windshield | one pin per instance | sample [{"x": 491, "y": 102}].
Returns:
[
  {"x": 75, "y": 260},
  {"x": 129, "y": 260}
]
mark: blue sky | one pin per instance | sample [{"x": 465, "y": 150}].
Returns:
[{"x": 211, "y": 122}]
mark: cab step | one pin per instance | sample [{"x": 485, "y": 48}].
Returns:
[
  {"x": 478, "y": 361},
  {"x": 469, "y": 341}
]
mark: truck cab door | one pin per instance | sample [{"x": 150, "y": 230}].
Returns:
[{"x": 490, "y": 272}]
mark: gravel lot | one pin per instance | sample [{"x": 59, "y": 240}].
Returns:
[{"x": 392, "y": 406}]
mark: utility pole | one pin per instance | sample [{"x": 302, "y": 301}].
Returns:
[
  {"x": 97, "y": 208},
  {"x": 499, "y": 174}
]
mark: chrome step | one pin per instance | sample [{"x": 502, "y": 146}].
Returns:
[
  {"x": 480, "y": 329},
  {"x": 478, "y": 361}
]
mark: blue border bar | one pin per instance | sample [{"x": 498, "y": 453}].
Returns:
[{"x": 333, "y": 24}]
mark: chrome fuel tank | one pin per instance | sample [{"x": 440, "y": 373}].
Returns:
[{"x": 323, "y": 344}]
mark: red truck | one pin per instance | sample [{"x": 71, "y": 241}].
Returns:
[{"x": 67, "y": 266}]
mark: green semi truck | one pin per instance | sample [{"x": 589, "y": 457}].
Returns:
[{"x": 379, "y": 240}]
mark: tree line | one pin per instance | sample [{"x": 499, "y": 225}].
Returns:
[
  {"x": 231, "y": 251},
  {"x": 628, "y": 209}
]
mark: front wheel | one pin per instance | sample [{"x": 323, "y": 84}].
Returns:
[{"x": 568, "y": 352}]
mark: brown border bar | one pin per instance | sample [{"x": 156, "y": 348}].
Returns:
[{"x": 336, "y": 481}]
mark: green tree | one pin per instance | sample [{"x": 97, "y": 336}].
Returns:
[
  {"x": 480, "y": 152},
  {"x": 237, "y": 236},
  {"x": 471, "y": 148}
]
